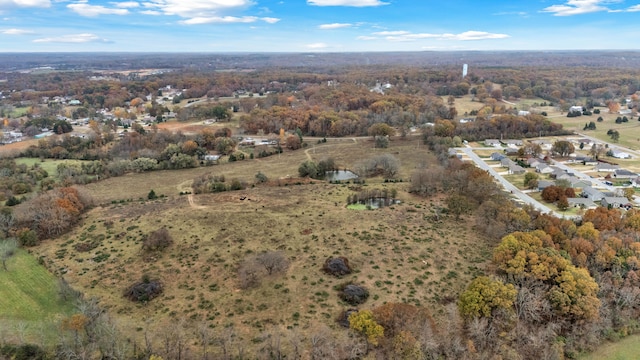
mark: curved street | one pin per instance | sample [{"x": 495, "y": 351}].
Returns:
[{"x": 526, "y": 199}]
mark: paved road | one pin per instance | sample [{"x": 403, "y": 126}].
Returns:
[{"x": 512, "y": 188}]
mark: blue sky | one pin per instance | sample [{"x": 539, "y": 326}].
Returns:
[{"x": 316, "y": 25}]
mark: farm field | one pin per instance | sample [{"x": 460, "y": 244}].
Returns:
[
  {"x": 625, "y": 349},
  {"x": 29, "y": 301},
  {"x": 400, "y": 253}
]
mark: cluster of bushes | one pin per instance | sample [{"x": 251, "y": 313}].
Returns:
[
  {"x": 49, "y": 214},
  {"x": 18, "y": 179},
  {"x": 209, "y": 183},
  {"x": 157, "y": 241},
  {"x": 145, "y": 290},
  {"x": 365, "y": 195},
  {"x": 385, "y": 165},
  {"x": 317, "y": 170}
]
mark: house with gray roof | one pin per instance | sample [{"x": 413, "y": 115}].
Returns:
[
  {"x": 604, "y": 167},
  {"x": 506, "y": 162},
  {"x": 496, "y": 156},
  {"x": 579, "y": 183},
  {"x": 543, "y": 168},
  {"x": 516, "y": 169},
  {"x": 624, "y": 174},
  {"x": 492, "y": 142},
  {"x": 592, "y": 194},
  {"x": 513, "y": 142},
  {"x": 543, "y": 184},
  {"x": 616, "y": 202},
  {"x": 581, "y": 203}
]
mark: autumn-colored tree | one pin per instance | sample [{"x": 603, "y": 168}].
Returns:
[
  {"x": 189, "y": 147},
  {"x": 484, "y": 295},
  {"x": 575, "y": 294},
  {"x": 459, "y": 204},
  {"x": 75, "y": 323},
  {"x": 381, "y": 129},
  {"x": 613, "y": 106},
  {"x": 363, "y": 322},
  {"x": 551, "y": 193},
  {"x": 629, "y": 193},
  {"x": 563, "y": 148},
  {"x": 293, "y": 142},
  {"x": 398, "y": 317},
  {"x": 603, "y": 218},
  {"x": 563, "y": 203}
]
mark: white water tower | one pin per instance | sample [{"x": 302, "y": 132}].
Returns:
[{"x": 465, "y": 69}]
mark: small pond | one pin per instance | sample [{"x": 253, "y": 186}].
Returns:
[{"x": 340, "y": 175}]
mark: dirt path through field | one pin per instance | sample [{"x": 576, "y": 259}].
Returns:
[{"x": 185, "y": 187}]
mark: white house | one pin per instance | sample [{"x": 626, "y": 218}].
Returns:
[{"x": 620, "y": 154}]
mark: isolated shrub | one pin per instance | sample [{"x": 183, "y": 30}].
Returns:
[
  {"x": 343, "y": 318},
  {"x": 338, "y": 266},
  {"x": 157, "y": 240},
  {"x": 249, "y": 273},
  {"x": 273, "y": 261},
  {"x": 144, "y": 290},
  {"x": 152, "y": 195},
  {"x": 254, "y": 268},
  {"x": 22, "y": 352},
  {"x": 27, "y": 237},
  {"x": 12, "y": 201},
  {"x": 354, "y": 294},
  {"x": 261, "y": 178},
  {"x": 309, "y": 169}
]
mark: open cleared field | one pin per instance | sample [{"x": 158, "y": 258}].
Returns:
[
  {"x": 399, "y": 253},
  {"x": 625, "y": 349},
  {"x": 49, "y": 165},
  {"x": 29, "y": 303}
]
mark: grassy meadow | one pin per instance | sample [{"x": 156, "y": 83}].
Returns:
[
  {"x": 30, "y": 308},
  {"x": 399, "y": 253},
  {"x": 625, "y": 349}
]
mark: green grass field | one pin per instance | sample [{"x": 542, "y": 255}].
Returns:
[
  {"x": 49, "y": 165},
  {"x": 625, "y": 349},
  {"x": 29, "y": 303}
]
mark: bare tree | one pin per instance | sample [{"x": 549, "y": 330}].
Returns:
[
  {"x": 273, "y": 261},
  {"x": 7, "y": 250}
]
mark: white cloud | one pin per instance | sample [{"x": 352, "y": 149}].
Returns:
[
  {"x": 76, "y": 38},
  {"x": 391, "y": 33},
  {"x": 577, "y": 7},
  {"x": 634, "y": 8},
  {"x": 17, "y": 32},
  {"x": 151, "y": 12},
  {"x": 227, "y": 20},
  {"x": 512, "y": 13},
  {"x": 334, "y": 26},
  {"x": 316, "y": 46},
  {"x": 354, "y": 3},
  {"x": 125, "y": 4},
  {"x": 84, "y": 9},
  {"x": 196, "y": 8},
  {"x": 474, "y": 35},
  {"x": 399, "y": 36},
  {"x": 9, "y": 4}
]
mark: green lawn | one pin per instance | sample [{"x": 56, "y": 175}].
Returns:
[
  {"x": 29, "y": 298},
  {"x": 49, "y": 165},
  {"x": 625, "y": 349}
]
